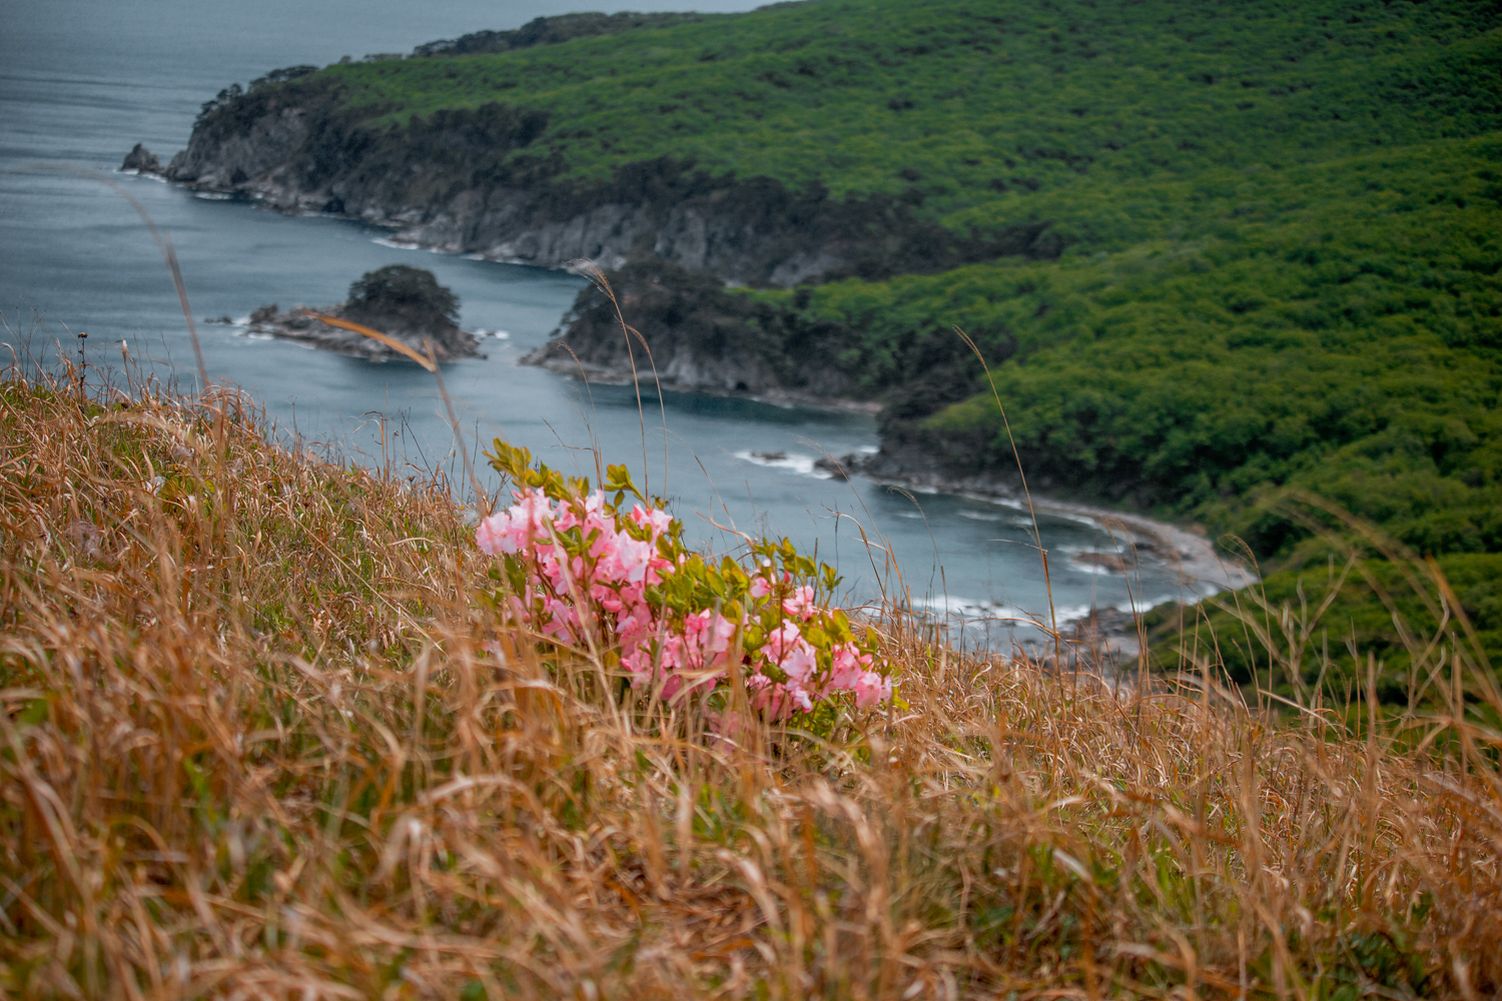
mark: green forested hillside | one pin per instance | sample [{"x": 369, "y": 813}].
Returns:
[
  {"x": 974, "y": 108},
  {"x": 1273, "y": 246}
]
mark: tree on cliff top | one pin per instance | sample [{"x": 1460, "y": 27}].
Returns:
[{"x": 409, "y": 295}]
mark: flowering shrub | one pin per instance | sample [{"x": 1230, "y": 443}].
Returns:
[{"x": 586, "y": 572}]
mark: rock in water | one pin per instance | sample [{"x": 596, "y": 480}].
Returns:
[
  {"x": 403, "y": 303},
  {"x": 141, "y": 160}
]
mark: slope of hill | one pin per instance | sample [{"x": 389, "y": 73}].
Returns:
[
  {"x": 1212, "y": 251},
  {"x": 262, "y": 734}
]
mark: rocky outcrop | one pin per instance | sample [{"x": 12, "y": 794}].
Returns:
[
  {"x": 692, "y": 333},
  {"x": 403, "y": 303},
  {"x": 141, "y": 160},
  {"x": 302, "y": 324},
  {"x": 487, "y": 181}
]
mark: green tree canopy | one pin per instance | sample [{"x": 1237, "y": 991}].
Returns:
[{"x": 396, "y": 291}]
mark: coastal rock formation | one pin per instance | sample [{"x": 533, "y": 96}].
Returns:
[
  {"x": 492, "y": 180},
  {"x": 693, "y": 334},
  {"x": 406, "y": 304},
  {"x": 141, "y": 160},
  {"x": 441, "y": 181}
]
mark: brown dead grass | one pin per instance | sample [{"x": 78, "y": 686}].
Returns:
[{"x": 252, "y": 744}]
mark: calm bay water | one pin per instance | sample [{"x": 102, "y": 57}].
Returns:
[{"x": 81, "y": 81}]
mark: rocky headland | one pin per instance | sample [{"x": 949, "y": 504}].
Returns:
[
  {"x": 689, "y": 332},
  {"x": 304, "y": 155},
  {"x": 489, "y": 180}
]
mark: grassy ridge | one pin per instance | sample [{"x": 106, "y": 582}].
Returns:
[{"x": 258, "y": 737}]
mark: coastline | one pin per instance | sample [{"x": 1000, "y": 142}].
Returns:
[
  {"x": 1105, "y": 639},
  {"x": 1183, "y": 547},
  {"x": 1201, "y": 568},
  {"x": 1188, "y": 551}
]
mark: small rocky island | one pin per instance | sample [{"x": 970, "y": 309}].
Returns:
[{"x": 406, "y": 304}]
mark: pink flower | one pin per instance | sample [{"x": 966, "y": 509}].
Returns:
[
  {"x": 627, "y": 559},
  {"x": 848, "y": 665},
  {"x": 787, "y": 648},
  {"x": 872, "y": 689},
  {"x": 800, "y": 604},
  {"x": 512, "y": 530},
  {"x": 779, "y": 701},
  {"x": 592, "y": 571},
  {"x": 658, "y": 520}
]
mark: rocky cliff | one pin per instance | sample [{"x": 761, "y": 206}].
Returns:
[
  {"x": 446, "y": 181},
  {"x": 690, "y": 332}
]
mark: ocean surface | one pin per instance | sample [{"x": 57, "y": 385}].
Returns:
[{"x": 81, "y": 81}]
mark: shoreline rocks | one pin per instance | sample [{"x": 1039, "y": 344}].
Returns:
[{"x": 141, "y": 160}]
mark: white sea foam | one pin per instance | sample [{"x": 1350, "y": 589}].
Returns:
[
  {"x": 1075, "y": 549},
  {"x": 954, "y": 608},
  {"x": 213, "y": 196},
  {"x": 394, "y": 244},
  {"x": 795, "y": 462},
  {"x": 1066, "y": 614}
]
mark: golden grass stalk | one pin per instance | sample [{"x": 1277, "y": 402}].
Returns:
[{"x": 399, "y": 347}]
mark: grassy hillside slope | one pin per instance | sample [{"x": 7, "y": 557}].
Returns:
[
  {"x": 260, "y": 737},
  {"x": 1270, "y": 262}
]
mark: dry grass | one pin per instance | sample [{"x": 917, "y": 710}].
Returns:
[{"x": 253, "y": 745}]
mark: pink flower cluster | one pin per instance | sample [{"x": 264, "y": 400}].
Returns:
[{"x": 588, "y": 575}]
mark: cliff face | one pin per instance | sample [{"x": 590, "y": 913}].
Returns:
[
  {"x": 692, "y": 333},
  {"x": 446, "y": 181}
]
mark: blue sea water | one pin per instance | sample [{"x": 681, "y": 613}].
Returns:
[{"x": 81, "y": 81}]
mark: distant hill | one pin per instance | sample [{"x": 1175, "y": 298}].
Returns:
[{"x": 1214, "y": 252}]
